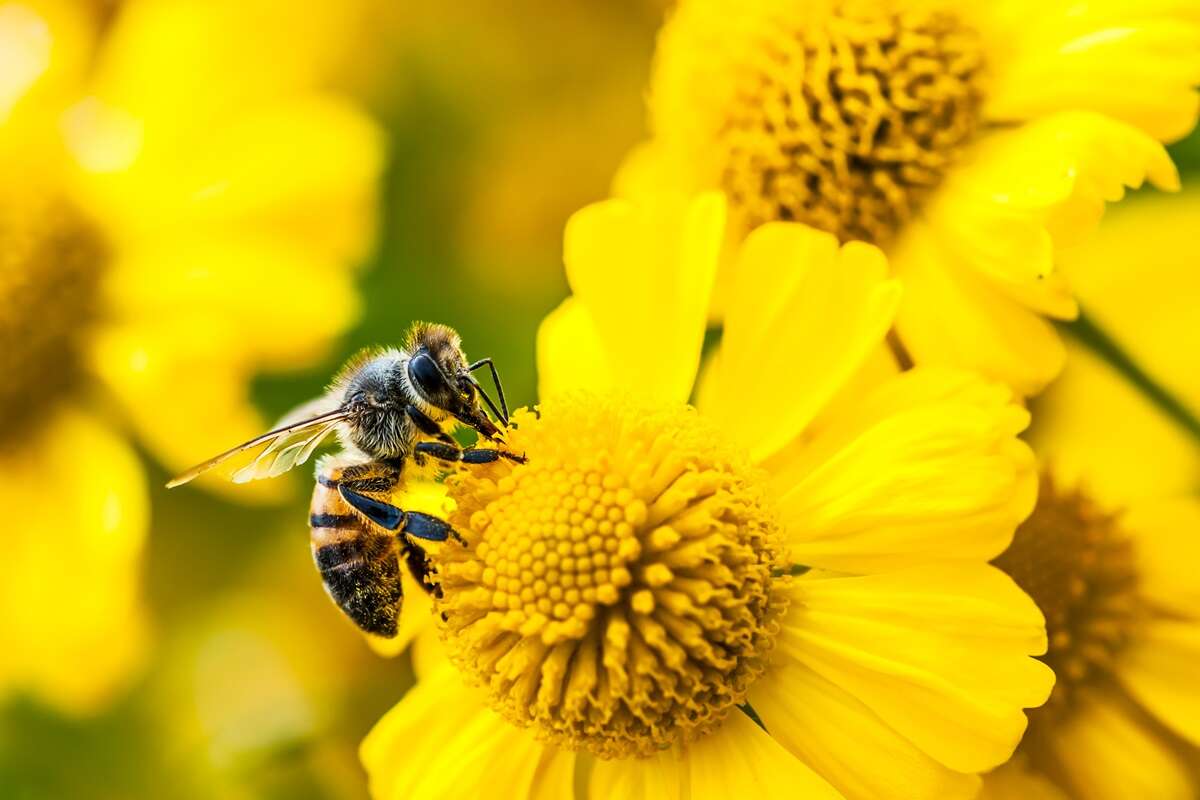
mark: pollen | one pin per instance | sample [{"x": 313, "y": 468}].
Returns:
[
  {"x": 617, "y": 592},
  {"x": 842, "y": 119},
  {"x": 1072, "y": 558},
  {"x": 51, "y": 261}
]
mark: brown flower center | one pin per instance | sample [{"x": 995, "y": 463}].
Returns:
[
  {"x": 51, "y": 260},
  {"x": 1076, "y": 564},
  {"x": 846, "y": 121}
]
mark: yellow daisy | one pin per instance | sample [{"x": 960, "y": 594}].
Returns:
[
  {"x": 781, "y": 592},
  {"x": 972, "y": 142},
  {"x": 1109, "y": 554},
  {"x": 180, "y": 203}
]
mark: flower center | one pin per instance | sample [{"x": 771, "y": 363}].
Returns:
[
  {"x": 617, "y": 591},
  {"x": 1076, "y": 564},
  {"x": 846, "y": 121},
  {"x": 51, "y": 260}
]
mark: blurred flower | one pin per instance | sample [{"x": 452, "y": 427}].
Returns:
[
  {"x": 971, "y": 142},
  {"x": 630, "y": 587},
  {"x": 180, "y": 204},
  {"x": 1109, "y": 553}
]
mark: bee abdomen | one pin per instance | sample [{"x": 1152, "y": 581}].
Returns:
[{"x": 358, "y": 565}]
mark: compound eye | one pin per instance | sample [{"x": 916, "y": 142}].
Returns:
[{"x": 427, "y": 377}]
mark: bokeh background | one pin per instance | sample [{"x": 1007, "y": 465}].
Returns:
[{"x": 500, "y": 119}]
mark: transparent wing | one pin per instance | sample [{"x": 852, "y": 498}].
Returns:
[{"x": 291, "y": 443}]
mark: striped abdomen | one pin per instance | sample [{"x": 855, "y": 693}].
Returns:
[{"x": 358, "y": 563}]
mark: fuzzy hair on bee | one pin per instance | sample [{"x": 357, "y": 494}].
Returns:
[{"x": 388, "y": 407}]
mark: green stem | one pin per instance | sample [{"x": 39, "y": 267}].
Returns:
[{"x": 1086, "y": 331}]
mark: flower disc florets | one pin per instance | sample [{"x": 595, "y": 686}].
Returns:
[
  {"x": 842, "y": 118},
  {"x": 619, "y": 590}
]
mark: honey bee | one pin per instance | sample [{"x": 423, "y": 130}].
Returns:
[{"x": 387, "y": 407}]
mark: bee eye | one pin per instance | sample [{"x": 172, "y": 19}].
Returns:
[{"x": 426, "y": 376}]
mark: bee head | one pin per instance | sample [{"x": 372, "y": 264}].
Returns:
[{"x": 440, "y": 376}]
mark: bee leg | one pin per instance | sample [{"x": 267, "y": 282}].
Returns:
[
  {"x": 471, "y": 455},
  {"x": 426, "y": 425},
  {"x": 426, "y": 526},
  {"x": 421, "y": 567}
]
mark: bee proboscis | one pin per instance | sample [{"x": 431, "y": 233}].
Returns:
[{"x": 387, "y": 407}]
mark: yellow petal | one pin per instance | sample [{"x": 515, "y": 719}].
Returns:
[
  {"x": 302, "y": 169},
  {"x": 1106, "y": 754},
  {"x": 1155, "y": 326},
  {"x": 940, "y": 654},
  {"x": 846, "y": 743},
  {"x": 570, "y": 355},
  {"x": 218, "y": 57},
  {"x": 1017, "y": 781},
  {"x": 983, "y": 256},
  {"x": 72, "y": 629},
  {"x": 1166, "y": 547},
  {"x": 1136, "y": 62},
  {"x": 644, "y": 274},
  {"x": 261, "y": 301},
  {"x": 184, "y": 428},
  {"x": 1073, "y": 431},
  {"x": 45, "y": 44},
  {"x": 740, "y": 759},
  {"x": 659, "y": 777},
  {"x": 440, "y": 741},
  {"x": 951, "y": 316},
  {"x": 924, "y": 468},
  {"x": 1159, "y": 669},
  {"x": 803, "y": 317}
]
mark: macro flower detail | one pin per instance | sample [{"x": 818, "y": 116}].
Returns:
[
  {"x": 778, "y": 587},
  {"x": 851, "y": 118},
  {"x": 1109, "y": 552},
  {"x": 148, "y": 205},
  {"x": 973, "y": 143},
  {"x": 1073, "y": 560},
  {"x": 620, "y": 590}
]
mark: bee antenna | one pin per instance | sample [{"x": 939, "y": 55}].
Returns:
[
  {"x": 495, "y": 412},
  {"x": 496, "y": 380}
]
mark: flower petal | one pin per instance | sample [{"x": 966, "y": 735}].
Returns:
[
  {"x": 983, "y": 256},
  {"x": 803, "y": 317},
  {"x": 940, "y": 654},
  {"x": 1167, "y": 549},
  {"x": 644, "y": 273},
  {"x": 846, "y": 743},
  {"x": 953, "y": 317},
  {"x": 1136, "y": 62},
  {"x": 302, "y": 169},
  {"x": 1105, "y": 754},
  {"x": 71, "y": 592},
  {"x": 570, "y": 355},
  {"x": 440, "y": 741},
  {"x": 740, "y": 759},
  {"x": 1159, "y": 669},
  {"x": 924, "y": 468},
  {"x": 1016, "y": 781}
]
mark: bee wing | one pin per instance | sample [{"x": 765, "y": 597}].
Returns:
[{"x": 289, "y": 444}]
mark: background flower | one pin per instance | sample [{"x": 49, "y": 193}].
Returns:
[
  {"x": 1108, "y": 552},
  {"x": 146, "y": 244},
  {"x": 973, "y": 144}
]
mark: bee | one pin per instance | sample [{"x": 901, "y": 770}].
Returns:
[{"x": 387, "y": 407}]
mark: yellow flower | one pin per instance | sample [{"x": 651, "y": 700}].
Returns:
[
  {"x": 1109, "y": 554},
  {"x": 973, "y": 142},
  {"x": 639, "y": 579},
  {"x": 180, "y": 203}
]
